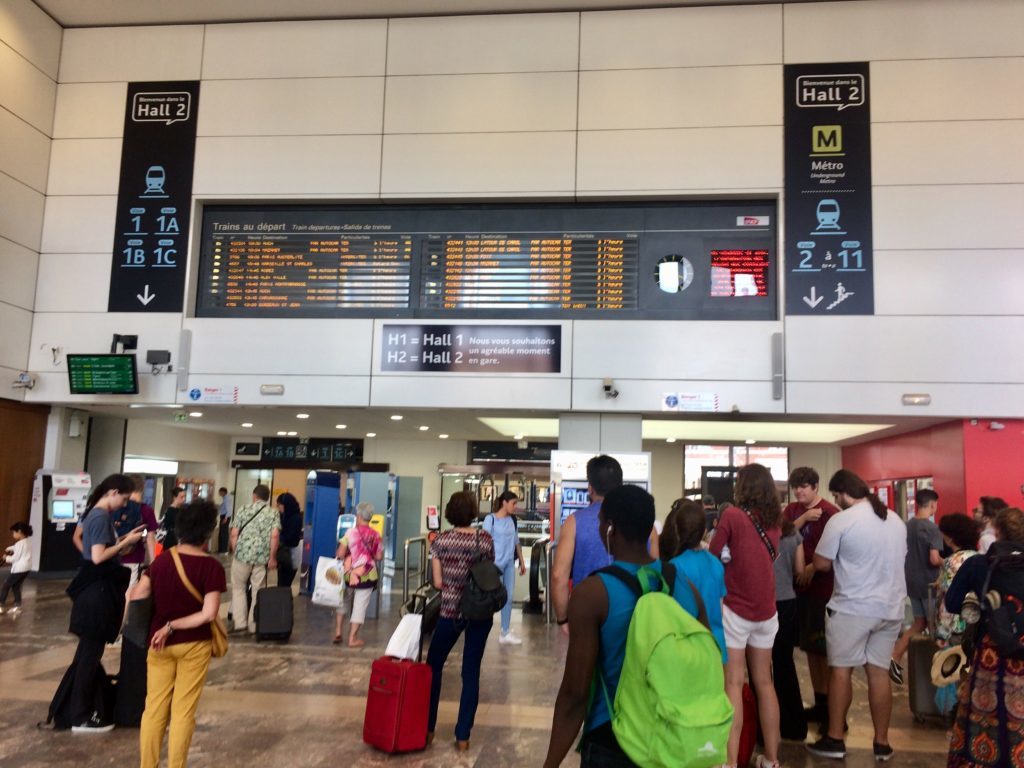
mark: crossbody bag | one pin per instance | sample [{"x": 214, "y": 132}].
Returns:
[{"x": 772, "y": 552}]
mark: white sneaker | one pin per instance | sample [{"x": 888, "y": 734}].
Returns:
[
  {"x": 509, "y": 638},
  {"x": 15, "y": 610},
  {"x": 764, "y": 762},
  {"x": 2, "y": 610}
]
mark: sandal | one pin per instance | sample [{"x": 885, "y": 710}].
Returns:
[{"x": 337, "y": 640}]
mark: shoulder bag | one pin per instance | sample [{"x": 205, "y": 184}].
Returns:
[
  {"x": 772, "y": 552},
  {"x": 218, "y": 631},
  {"x": 484, "y": 594}
]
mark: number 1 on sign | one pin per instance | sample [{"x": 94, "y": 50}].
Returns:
[{"x": 858, "y": 257}]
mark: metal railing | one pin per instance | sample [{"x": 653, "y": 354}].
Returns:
[
  {"x": 540, "y": 577},
  {"x": 420, "y": 543},
  {"x": 549, "y": 564}
]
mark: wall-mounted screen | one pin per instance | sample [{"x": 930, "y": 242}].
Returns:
[
  {"x": 103, "y": 375},
  {"x": 62, "y": 510},
  {"x": 699, "y": 261}
]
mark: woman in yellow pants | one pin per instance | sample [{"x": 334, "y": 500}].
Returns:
[{"x": 180, "y": 635}]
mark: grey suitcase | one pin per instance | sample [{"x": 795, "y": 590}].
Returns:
[{"x": 919, "y": 677}]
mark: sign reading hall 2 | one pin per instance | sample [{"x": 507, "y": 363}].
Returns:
[
  {"x": 828, "y": 190},
  {"x": 153, "y": 198}
]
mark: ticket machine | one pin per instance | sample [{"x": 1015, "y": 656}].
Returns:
[{"x": 58, "y": 502}]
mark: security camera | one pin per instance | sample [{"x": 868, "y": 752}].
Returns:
[
  {"x": 609, "y": 389},
  {"x": 24, "y": 381}
]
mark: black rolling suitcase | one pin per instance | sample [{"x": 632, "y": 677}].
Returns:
[
  {"x": 274, "y": 614},
  {"x": 130, "y": 685},
  {"x": 919, "y": 677}
]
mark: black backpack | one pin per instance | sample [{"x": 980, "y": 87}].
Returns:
[
  {"x": 484, "y": 594},
  {"x": 1003, "y": 605}
]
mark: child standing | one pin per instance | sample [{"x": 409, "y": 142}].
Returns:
[{"x": 19, "y": 557}]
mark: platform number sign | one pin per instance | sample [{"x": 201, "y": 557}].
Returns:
[
  {"x": 828, "y": 256},
  {"x": 154, "y": 198}
]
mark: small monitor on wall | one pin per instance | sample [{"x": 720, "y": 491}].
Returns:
[
  {"x": 103, "y": 375},
  {"x": 62, "y": 511}
]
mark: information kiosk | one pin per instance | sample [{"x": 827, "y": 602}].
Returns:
[{"x": 58, "y": 502}]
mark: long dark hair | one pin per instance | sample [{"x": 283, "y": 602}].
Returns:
[
  {"x": 755, "y": 490},
  {"x": 502, "y": 498},
  {"x": 119, "y": 483},
  {"x": 290, "y": 504},
  {"x": 683, "y": 530},
  {"x": 850, "y": 483}
]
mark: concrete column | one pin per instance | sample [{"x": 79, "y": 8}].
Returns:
[
  {"x": 600, "y": 432},
  {"x": 105, "y": 454}
]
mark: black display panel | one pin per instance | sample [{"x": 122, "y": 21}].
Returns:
[
  {"x": 601, "y": 260},
  {"x": 103, "y": 375}
]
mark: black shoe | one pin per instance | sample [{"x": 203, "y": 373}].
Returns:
[
  {"x": 883, "y": 752},
  {"x": 826, "y": 746},
  {"x": 93, "y": 725}
]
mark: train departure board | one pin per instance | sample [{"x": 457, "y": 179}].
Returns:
[{"x": 710, "y": 261}]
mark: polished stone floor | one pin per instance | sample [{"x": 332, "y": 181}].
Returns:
[{"x": 301, "y": 704}]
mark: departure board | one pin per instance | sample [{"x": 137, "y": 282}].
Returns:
[
  {"x": 102, "y": 375},
  {"x": 601, "y": 260}
]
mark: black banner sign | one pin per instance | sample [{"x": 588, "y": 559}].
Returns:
[
  {"x": 154, "y": 198},
  {"x": 828, "y": 190},
  {"x": 472, "y": 348}
]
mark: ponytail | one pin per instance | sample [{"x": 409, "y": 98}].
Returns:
[
  {"x": 876, "y": 504},
  {"x": 119, "y": 483},
  {"x": 845, "y": 481}
]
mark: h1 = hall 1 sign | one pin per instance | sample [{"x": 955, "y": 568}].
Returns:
[
  {"x": 471, "y": 348},
  {"x": 828, "y": 254}
]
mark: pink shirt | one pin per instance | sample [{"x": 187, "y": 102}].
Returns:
[{"x": 750, "y": 574}]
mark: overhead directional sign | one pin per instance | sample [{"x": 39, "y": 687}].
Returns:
[
  {"x": 154, "y": 198},
  {"x": 828, "y": 262}
]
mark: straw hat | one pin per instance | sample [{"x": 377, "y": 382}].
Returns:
[{"x": 947, "y": 665}]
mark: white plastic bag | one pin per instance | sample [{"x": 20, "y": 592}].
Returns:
[
  {"x": 329, "y": 586},
  {"x": 405, "y": 642}
]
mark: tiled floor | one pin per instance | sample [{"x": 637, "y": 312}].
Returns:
[{"x": 301, "y": 704}]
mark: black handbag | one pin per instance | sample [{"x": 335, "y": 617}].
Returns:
[{"x": 484, "y": 594}]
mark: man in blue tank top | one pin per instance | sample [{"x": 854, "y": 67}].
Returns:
[{"x": 599, "y": 614}]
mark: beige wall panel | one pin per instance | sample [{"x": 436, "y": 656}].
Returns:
[
  {"x": 132, "y": 54},
  {"x": 478, "y": 164},
  {"x": 997, "y": 401},
  {"x": 24, "y": 151},
  {"x": 465, "y": 44},
  {"x": 972, "y": 152},
  {"x": 295, "y": 49},
  {"x": 287, "y": 165},
  {"x": 902, "y": 29},
  {"x": 935, "y": 217},
  {"x": 90, "y": 110},
  {"x": 79, "y": 224},
  {"x": 25, "y": 91},
  {"x": 92, "y": 331},
  {"x": 647, "y": 394},
  {"x": 966, "y": 282},
  {"x": 73, "y": 282},
  {"x": 21, "y": 213},
  {"x": 85, "y": 167},
  {"x": 442, "y": 391},
  {"x": 681, "y": 98},
  {"x": 18, "y": 265},
  {"x": 544, "y": 101},
  {"x": 691, "y": 159},
  {"x": 33, "y": 34},
  {"x": 681, "y": 37},
  {"x": 297, "y": 107},
  {"x": 947, "y": 89},
  {"x": 299, "y": 389},
  {"x": 14, "y": 341},
  {"x": 52, "y": 387}
]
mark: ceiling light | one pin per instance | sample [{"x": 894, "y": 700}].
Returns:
[
  {"x": 749, "y": 441},
  {"x": 340, "y": 426},
  {"x": 670, "y": 439},
  {"x": 281, "y": 434},
  {"x": 517, "y": 436},
  {"x": 195, "y": 414},
  {"x": 149, "y": 466},
  {"x": 292, "y": 434},
  {"x": 301, "y": 415},
  {"x": 443, "y": 437},
  {"x": 246, "y": 424},
  {"x": 397, "y": 417},
  {"x": 371, "y": 434},
  {"x": 424, "y": 428}
]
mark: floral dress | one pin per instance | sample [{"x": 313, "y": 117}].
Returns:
[{"x": 949, "y": 627}]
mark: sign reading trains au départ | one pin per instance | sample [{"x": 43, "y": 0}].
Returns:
[
  {"x": 828, "y": 255},
  {"x": 154, "y": 198}
]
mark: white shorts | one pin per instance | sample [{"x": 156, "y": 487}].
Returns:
[
  {"x": 853, "y": 641},
  {"x": 354, "y": 604},
  {"x": 739, "y": 633}
]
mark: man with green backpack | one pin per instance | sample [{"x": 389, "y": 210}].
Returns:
[{"x": 642, "y": 676}]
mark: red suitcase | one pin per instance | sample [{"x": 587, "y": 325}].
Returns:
[
  {"x": 397, "y": 705},
  {"x": 751, "y": 723}
]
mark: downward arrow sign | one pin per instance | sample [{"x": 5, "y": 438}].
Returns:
[
  {"x": 812, "y": 301},
  {"x": 145, "y": 297}
]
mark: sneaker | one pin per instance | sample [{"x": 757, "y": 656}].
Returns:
[
  {"x": 826, "y": 746},
  {"x": 2, "y": 610},
  {"x": 15, "y": 610},
  {"x": 895, "y": 671},
  {"x": 883, "y": 752},
  {"x": 93, "y": 725},
  {"x": 510, "y": 638},
  {"x": 764, "y": 762}
]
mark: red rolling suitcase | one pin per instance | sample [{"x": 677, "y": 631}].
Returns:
[
  {"x": 751, "y": 724},
  {"x": 397, "y": 705}
]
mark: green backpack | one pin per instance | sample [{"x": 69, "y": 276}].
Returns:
[{"x": 670, "y": 706}]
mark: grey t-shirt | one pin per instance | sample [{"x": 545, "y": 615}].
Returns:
[
  {"x": 922, "y": 536},
  {"x": 784, "y": 567},
  {"x": 97, "y": 528}
]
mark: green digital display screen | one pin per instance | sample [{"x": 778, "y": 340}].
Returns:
[{"x": 103, "y": 375}]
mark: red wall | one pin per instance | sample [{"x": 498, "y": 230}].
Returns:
[
  {"x": 936, "y": 452},
  {"x": 994, "y": 460}
]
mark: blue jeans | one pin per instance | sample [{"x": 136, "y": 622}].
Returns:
[
  {"x": 508, "y": 578},
  {"x": 446, "y": 634}
]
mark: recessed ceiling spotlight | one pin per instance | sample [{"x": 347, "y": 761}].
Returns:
[
  {"x": 518, "y": 436},
  {"x": 246, "y": 424},
  {"x": 670, "y": 439},
  {"x": 195, "y": 414},
  {"x": 281, "y": 434},
  {"x": 397, "y": 417},
  {"x": 443, "y": 437},
  {"x": 301, "y": 415},
  {"x": 292, "y": 434},
  {"x": 424, "y": 428},
  {"x": 341, "y": 426},
  {"x": 371, "y": 434},
  {"x": 750, "y": 442}
]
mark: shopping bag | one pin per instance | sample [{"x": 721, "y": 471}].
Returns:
[
  {"x": 329, "y": 584},
  {"x": 405, "y": 642}
]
